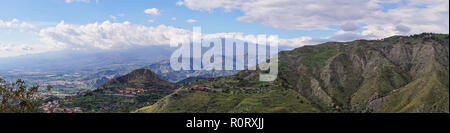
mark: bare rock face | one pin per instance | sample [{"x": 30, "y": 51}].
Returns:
[{"x": 361, "y": 76}]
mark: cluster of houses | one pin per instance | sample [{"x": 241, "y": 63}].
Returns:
[
  {"x": 130, "y": 91},
  {"x": 39, "y": 94},
  {"x": 203, "y": 88},
  {"x": 209, "y": 88},
  {"x": 213, "y": 89},
  {"x": 199, "y": 87},
  {"x": 53, "y": 107}
]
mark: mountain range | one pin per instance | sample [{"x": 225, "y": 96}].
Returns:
[
  {"x": 396, "y": 74},
  {"x": 73, "y": 71}
]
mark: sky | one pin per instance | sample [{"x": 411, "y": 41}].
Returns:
[{"x": 30, "y": 27}]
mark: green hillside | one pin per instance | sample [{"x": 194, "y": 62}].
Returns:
[
  {"x": 123, "y": 94},
  {"x": 396, "y": 74}
]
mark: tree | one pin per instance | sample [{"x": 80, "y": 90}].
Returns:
[{"x": 17, "y": 98}]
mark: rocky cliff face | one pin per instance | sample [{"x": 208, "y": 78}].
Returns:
[{"x": 362, "y": 76}]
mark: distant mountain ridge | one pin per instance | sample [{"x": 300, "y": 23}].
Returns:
[
  {"x": 164, "y": 70},
  {"x": 395, "y": 74},
  {"x": 85, "y": 60},
  {"x": 91, "y": 67}
]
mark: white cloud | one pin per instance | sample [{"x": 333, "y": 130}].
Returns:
[
  {"x": 179, "y": 3},
  {"x": 296, "y": 42},
  {"x": 209, "y": 5},
  {"x": 108, "y": 35},
  {"x": 22, "y": 46},
  {"x": 150, "y": 20},
  {"x": 380, "y": 31},
  {"x": 291, "y": 42},
  {"x": 116, "y": 17},
  {"x": 173, "y": 18},
  {"x": 434, "y": 18},
  {"x": 15, "y": 23},
  {"x": 152, "y": 11},
  {"x": 11, "y": 50},
  {"x": 291, "y": 14},
  {"x": 191, "y": 21},
  {"x": 319, "y": 15},
  {"x": 350, "y": 27}
]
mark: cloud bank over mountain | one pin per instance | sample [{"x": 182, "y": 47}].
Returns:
[
  {"x": 345, "y": 20},
  {"x": 114, "y": 35},
  {"x": 380, "y": 20}
]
